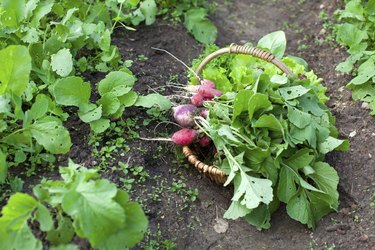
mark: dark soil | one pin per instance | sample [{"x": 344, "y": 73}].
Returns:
[
  {"x": 240, "y": 21},
  {"x": 190, "y": 224}
]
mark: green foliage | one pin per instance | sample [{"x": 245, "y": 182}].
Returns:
[
  {"x": 48, "y": 45},
  {"x": 275, "y": 42},
  {"x": 14, "y": 74},
  {"x": 357, "y": 32},
  {"x": 78, "y": 204},
  {"x": 14, "y": 231},
  {"x": 154, "y": 100},
  {"x": 194, "y": 13},
  {"x": 272, "y": 133},
  {"x": 202, "y": 29}
]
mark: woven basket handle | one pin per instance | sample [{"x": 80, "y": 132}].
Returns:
[{"x": 247, "y": 50}]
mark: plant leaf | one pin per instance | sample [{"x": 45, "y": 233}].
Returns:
[
  {"x": 275, "y": 42},
  {"x": 128, "y": 99},
  {"x": 15, "y": 70},
  {"x": 14, "y": 231},
  {"x": 151, "y": 100},
  {"x": 72, "y": 91},
  {"x": 326, "y": 179},
  {"x": 287, "y": 187},
  {"x": 252, "y": 191},
  {"x": 117, "y": 82},
  {"x": 109, "y": 103},
  {"x": 134, "y": 228},
  {"x": 149, "y": 10},
  {"x": 43, "y": 216},
  {"x": 259, "y": 217},
  {"x": 353, "y": 9},
  {"x": 349, "y": 35},
  {"x": 290, "y": 93},
  {"x": 91, "y": 205},
  {"x": 3, "y": 167},
  {"x": 99, "y": 126},
  {"x": 62, "y": 62},
  {"x": 52, "y": 136},
  {"x": 258, "y": 103},
  {"x": 236, "y": 210},
  {"x": 365, "y": 72},
  {"x": 64, "y": 232},
  {"x": 299, "y": 209},
  {"x": 331, "y": 144},
  {"x": 197, "y": 23},
  {"x": 299, "y": 118}
]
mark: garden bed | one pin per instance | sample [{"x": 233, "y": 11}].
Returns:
[{"x": 178, "y": 215}]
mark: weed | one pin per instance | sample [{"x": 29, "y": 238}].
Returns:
[
  {"x": 142, "y": 58},
  {"x": 178, "y": 186},
  {"x": 328, "y": 27},
  {"x": 302, "y": 46},
  {"x": 326, "y": 247},
  {"x": 156, "y": 241},
  {"x": 357, "y": 219},
  {"x": 312, "y": 244}
]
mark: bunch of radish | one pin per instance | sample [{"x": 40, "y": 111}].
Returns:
[{"x": 185, "y": 114}]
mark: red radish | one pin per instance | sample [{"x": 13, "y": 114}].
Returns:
[
  {"x": 197, "y": 100},
  {"x": 205, "y": 141},
  {"x": 214, "y": 151},
  {"x": 208, "y": 83},
  {"x": 205, "y": 90},
  {"x": 205, "y": 83},
  {"x": 209, "y": 92},
  {"x": 204, "y": 113},
  {"x": 184, "y": 115},
  {"x": 185, "y": 136}
]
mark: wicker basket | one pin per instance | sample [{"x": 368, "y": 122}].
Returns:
[{"x": 213, "y": 172}]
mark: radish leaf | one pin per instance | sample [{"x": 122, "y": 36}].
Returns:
[{"x": 274, "y": 42}]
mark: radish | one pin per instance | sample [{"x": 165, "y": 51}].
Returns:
[
  {"x": 197, "y": 100},
  {"x": 208, "y": 83},
  {"x": 207, "y": 87},
  {"x": 208, "y": 92},
  {"x": 184, "y": 115},
  {"x": 205, "y": 90},
  {"x": 204, "y": 113},
  {"x": 182, "y": 137},
  {"x": 205, "y": 141},
  {"x": 185, "y": 136}
]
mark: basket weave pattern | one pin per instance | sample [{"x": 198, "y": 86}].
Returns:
[{"x": 213, "y": 172}]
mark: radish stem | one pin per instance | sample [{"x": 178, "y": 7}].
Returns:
[
  {"x": 180, "y": 61},
  {"x": 155, "y": 139}
]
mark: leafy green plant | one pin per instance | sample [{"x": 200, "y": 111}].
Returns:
[
  {"x": 271, "y": 133},
  {"x": 194, "y": 13},
  {"x": 200, "y": 26},
  {"x": 357, "y": 32},
  {"x": 79, "y": 204},
  {"x": 48, "y": 46},
  {"x": 26, "y": 132}
]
